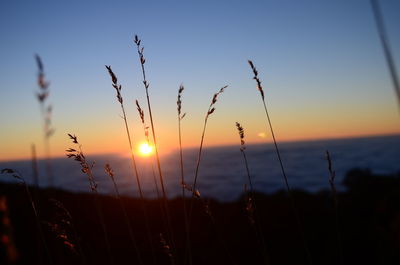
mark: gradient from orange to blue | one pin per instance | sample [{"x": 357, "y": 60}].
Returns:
[{"x": 321, "y": 64}]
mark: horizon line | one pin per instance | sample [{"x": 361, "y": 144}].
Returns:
[{"x": 222, "y": 145}]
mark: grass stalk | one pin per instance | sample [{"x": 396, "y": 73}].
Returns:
[
  {"x": 46, "y": 113},
  {"x": 207, "y": 210},
  {"x": 146, "y": 84},
  {"x": 332, "y": 176},
  {"x": 110, "y": 173},
  {"x": 118, "y": 89},
  {"x": 251, "y": 200},
  {"x": 193, "y": 188},
  {"x": 185, "y": 214},
  {"x": 19, "y": 177},
  {"x": 140, "y": 50},
  {"x": 61, "y": 223},
  {"x": 219, "y": 235},
  {"x": 386, "y": 47},
  {"x": 35, "y": 171},
  {"x": 288, "y": 189},
  {"x": 210, "y": 111},
  {"x": 86, "y": 168},
  {"x": 146, "y": 135}
]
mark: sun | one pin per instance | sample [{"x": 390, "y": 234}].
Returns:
[{"x": 145, "y": 149}]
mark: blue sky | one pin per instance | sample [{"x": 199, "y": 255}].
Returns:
[{"x": 321, "y": 64}]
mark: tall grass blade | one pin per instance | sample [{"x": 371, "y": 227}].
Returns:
[
  {"x": 46, "y": 112},
  {"x": 110, "y": 173},
  {"x": 146, "y": 84},
  {"x": 251, "y": 199},
  {"x": 386, "y": 47},
  {"x": 288, "y": 189},
  {"x": 86, "y": 168},
  {"x": 20, "y": 178},
  {"x": 185, "y": 214},
  {"x": 332, "y": 176}
]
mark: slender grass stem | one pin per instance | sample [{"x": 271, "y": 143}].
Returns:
[
  {"x": 49, "y": 170},
  {"x": 132, "y": 155},
  {"x": 288, "y": 189},
  {"x": 210, "y": 111},
  {"x": 163, "y": 190},
  {"x": 18, "y": 176},
  {"x": 118, "y": 89},
  {"x": 103, "y": 226},
  {"x": 332, "y": 176},
  {"x": 185, "y": 215},
  {"x": 221, "y": 240},
  {"x": 292, "y": 201},
  {"x": 386, "y": 47},
  {"x": 146, "y": 135},
  {"x": 35, "y": 170},
  {"x": 196, "y": 173},
  {"x": 110, "y": 172},
  {"x": 86, "y": 168},
  {"x": 46, "y": 111},
  {"x": 39, "y": 226},
  {"x": 256, "y": 223}
]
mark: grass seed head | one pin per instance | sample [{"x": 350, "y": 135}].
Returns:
[
  {"x": 115, "y": 84},
  {"x": 61, "y": 225},
  {"x": 249, "y": 205},
  {"x": 86, "y": 167},
  {"x": 109, "y": 170},
  {"x": 255, "y": 72},
  {"x": 241, "y": 135},
  {"x": 179, "y": 102},
  {"x": 42, "y": 83},
  {"x": 13, "y": 173},
  {"x": 332, "y": 172},
  {"x": 141, "y": 112},
  {"x": 211, "y": 108},
  {"x": 73, "y": 138},
  {"x": 165, "y": 246}
]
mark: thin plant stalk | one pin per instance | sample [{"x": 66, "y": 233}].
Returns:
[
  {"x": 110, "y": 173},
  {"x": 19, "y": 177},
  {"x": 252, "y": 201},
  {"x": 167, "y": 249},
  {"x": 332, "y": 176},
  {"x": 35, "y": 171},
  {"x": 146, "y": 86},
  {"x": 288, "y": 189},
  {"x": 185, "y": 216},
  {"x": 164, "y": 244},
  {"x": 146, "y": 135},
  {"x": 210, "y": 111},
  {"x": 118, "y": 89},
  {"x": 35, "y": 177},
  {"x": 64, "y": 218},
  {"x": 386, "y": 47},
  {"x": 208, "y": 212},
  {"x": 46, "y": 112},
  {"x": 86, "y": 168},
  {"x": 193, "y": 188},
  {"x": 142, "y": 59},
  {"x": 221, "y": 240}
]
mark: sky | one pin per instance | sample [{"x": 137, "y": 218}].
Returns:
[{"x": 320, "y": 62}]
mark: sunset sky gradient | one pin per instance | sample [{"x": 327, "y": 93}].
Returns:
[{"x": 321, "y": 64}]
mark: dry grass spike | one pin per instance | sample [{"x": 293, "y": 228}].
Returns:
[{"x": 86, "y": 167}]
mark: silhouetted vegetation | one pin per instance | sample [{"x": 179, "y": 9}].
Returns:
[{"x": 369, "y": 217}]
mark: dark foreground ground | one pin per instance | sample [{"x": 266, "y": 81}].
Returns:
[{"x": 366, "y": 230}]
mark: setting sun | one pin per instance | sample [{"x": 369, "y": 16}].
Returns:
[{"x": 145, "y": 149}]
